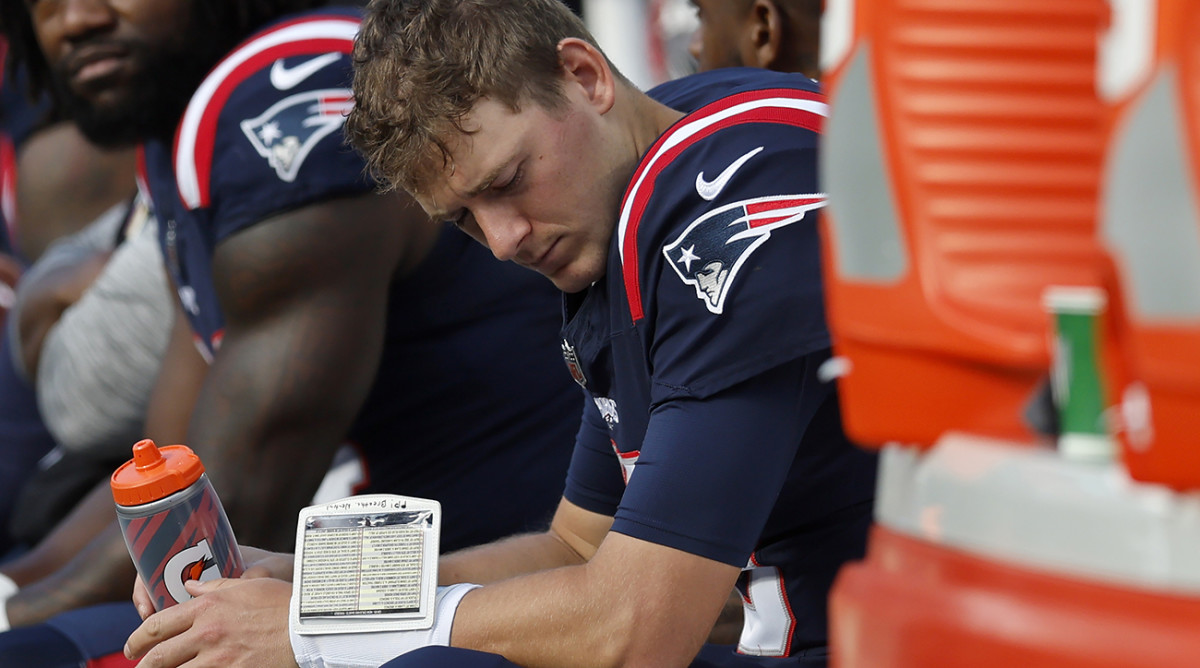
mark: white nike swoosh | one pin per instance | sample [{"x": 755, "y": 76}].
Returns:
[
  {"x": 710, "y": 189},
  {"x": 285, "y": 78}
]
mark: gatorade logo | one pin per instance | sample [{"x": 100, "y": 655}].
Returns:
[{"x": 193, "y": 563}]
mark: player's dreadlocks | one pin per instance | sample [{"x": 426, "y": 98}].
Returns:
[{"x": 227, "y": 22}]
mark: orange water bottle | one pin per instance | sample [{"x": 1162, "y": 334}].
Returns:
[{"x": 173, "y": 522}]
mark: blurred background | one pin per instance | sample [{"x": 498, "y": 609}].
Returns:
[{"x": 647, "y": 39}]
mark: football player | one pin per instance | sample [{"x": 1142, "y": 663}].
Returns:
[
  {"x": 712, "y": 452},
  {"x": 312, "y": 310},
  {"x": 780, "y": 35}
]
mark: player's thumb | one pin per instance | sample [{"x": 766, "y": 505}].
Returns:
[{"x": 198, "y": 588}]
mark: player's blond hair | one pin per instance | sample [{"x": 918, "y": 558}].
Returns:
[{"x": 421, "y": 65}]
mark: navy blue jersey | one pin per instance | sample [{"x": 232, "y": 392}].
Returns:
[
  {"x": 701, "y": 350},
  {"x": 470, "y": 405}
]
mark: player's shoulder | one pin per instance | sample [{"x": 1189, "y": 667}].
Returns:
[
  {"x": 740, "y": 163},
  {"x": 289, "y": 70},
  {"x": 733, "y": 85},
  {"x": 745, "y": 133}
]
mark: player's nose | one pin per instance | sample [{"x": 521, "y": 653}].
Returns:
[
  {"x": 504, "y": 231},
  {"x": 80, "y": 18}
]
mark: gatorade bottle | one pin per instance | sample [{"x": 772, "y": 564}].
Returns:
[{"x": 173, "y": 522}]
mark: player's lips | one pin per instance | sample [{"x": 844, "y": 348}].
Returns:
[
  {"x": 548, "y": 262},
  {"x": 91, "y": 66}
]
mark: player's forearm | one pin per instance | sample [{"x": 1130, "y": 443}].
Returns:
[
  {"x": 634, "y": 603},
  {"x": 263, "y": 481},
  {"x": 267, "y": 433},
  {"x": 43, "y": 301},
  {"x": 556, "y": 617},
  {"x": 100, "y": 573},
  {"x": 505, "y": 559},
  {"x": 304, "y": 299},
  {"x": 89, "y": 519},
  {"x": 573, "y": 538}
]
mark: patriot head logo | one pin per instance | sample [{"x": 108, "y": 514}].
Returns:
[
  {"x": 711, "y": 251},
  {"x": 285, "y": 133}
]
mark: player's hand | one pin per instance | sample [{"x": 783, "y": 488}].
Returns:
[
  {"x": 266, "y": 564},
  {"x": 142, "y": 599},
  {"x": 259, "y": 564},
  {"x": 240, "y": 623}
]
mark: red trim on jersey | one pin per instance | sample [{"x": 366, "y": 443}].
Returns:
[
  {"x": 114, "y": 660},
  {"x": 207, "y": 131},
  {"x": 783, "y": 595},
  {"x": 8, "y": 186},
  {"x": 775, "y": 205},
  {"x": 143, "y": 176},
  {"x": 334, "y": 104},
  {"x": 787, "y": 605},
  {"x": 626, "y": 459},
  {"x": 641, "y": 197}
]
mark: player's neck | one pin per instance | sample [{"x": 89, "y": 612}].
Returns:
[{"x": 648, "y": 120}]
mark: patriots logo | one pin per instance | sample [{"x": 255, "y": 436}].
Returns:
[
  {"x": 608, "y": 410},
  {"x": 711, "y": 251},
  {"x": 285, "y": 133}
]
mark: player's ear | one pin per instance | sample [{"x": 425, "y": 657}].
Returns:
[
  {"x": 764, "y": 34},
  {"x": 586, "y": 68}
]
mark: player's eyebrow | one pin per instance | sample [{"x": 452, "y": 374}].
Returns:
[
  {"x": 484, "y": 183},
  {"x": 487, "y": 180}
]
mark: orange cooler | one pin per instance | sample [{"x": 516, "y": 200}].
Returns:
[{"x": 962, "y": 160}]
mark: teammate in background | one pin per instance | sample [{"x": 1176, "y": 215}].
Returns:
[
  {"x": 311, "y": 309},
  {"x": 51, "y": 157},
  {"x": 24, "y": 439},
  {"x": 504, "y": 118},
  {"x": 780, "y": 35},
  {"x": 90, "y": 325}
]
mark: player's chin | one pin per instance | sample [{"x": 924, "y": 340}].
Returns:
[
  {"x": 567, "y": 285},
  {"x": 570, "y": 279}
]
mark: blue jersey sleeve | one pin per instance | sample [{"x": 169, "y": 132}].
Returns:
[
  {"x": 594, "y": 480},
  {"x": 696, "y": 488},
  {"x": 730, "y": 266},
  {"x": 278, "y": 151},
  {"x": 264, "y": 132}
]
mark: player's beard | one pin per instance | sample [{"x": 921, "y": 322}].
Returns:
[{"x": 149, "y": 102}]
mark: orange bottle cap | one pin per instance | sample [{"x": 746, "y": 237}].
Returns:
[{"x": 154, "y": 473}]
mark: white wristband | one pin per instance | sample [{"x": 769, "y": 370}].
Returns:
[
  {"x": 7, "y": 589},
  {"x": 363, "y": 650}
]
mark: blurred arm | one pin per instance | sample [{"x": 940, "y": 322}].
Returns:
[
  {"x": 44, "y": 300},
  {"x": 304, "y": 296},
  {"x": 84, "y": 560}
]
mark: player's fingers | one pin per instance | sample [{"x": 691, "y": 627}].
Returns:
[
  {"x": 142, "y": 599},
  {"x": 256, "y": 572},
  {"x": 268, "y": 564},
  {"x": 158, "y": 628},
  {"x": 170, "y": 654},
  {"x": 198, "y": 588}
]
